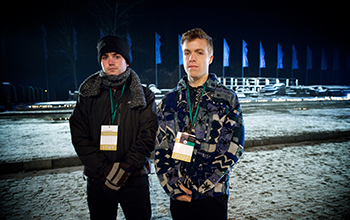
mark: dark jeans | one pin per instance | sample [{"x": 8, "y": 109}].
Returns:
[
  {"x": 134, "y": 199},
  {"x": 210, "y": 208}
]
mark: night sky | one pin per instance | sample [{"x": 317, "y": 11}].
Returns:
[{"x": 303, "y": 24}]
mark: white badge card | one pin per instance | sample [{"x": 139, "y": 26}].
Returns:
[
  {"x": 109, "y": 137},
  {"x": 183, "y": 148}
]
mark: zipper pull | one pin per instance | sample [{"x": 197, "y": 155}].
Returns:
[{"x": 119, "y": 113}]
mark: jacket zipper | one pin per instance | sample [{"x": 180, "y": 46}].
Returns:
[
  {"x": 118, "y": 109},
  {"x": 119, "y": 113}
]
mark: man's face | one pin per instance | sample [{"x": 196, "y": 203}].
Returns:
[
  {"x": 113, "y": 63},
  {"x": 196, "y": 58}
]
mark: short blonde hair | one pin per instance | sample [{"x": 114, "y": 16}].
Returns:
[{"x": 198, "y": 33}]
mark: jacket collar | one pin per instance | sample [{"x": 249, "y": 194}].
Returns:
[
  {"x": 93, "y": 84},
  {"x": 212, "y": 83}
]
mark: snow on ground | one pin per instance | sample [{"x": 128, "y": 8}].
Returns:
[
  {"x": 296, "y": 182},
  {"x": 25, "y": 138}
]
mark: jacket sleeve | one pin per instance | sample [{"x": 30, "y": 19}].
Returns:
[
  {"x": 167, "y": 169},
  {"x": 86, "y": 149},
  {"x": 229, "y": 148},
  {"x": 141, "y": 150}
]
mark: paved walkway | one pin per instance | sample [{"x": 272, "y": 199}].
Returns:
[{"x": 309, "y": 181}]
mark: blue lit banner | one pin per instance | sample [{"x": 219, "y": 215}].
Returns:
[
  {"x": 158, "y": 58},
  {"x": 309, "y": 59},
  {"x": 181, "y": 59},
  {"x": 335, "y": 60},
  {"x": 101, "y": 33},
  {"x": 128, "y": 38},
  {"x": 348, "y": 62},
  {"x": 244, "y": 54},
  {"x": 262, "y": 57},
  {"x": 295, "y": 64},
  {"x": 226, "y": 54},
  {"x": 279, "y": 57}
]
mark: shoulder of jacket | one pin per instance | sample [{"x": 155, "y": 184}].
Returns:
[
  {"x": 223, "y": 92},
  {"x": 149, "y": 95},
  {"x": 91, "y": 85}
]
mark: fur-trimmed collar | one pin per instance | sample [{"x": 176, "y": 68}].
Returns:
[{"x": 92, "y": 87}]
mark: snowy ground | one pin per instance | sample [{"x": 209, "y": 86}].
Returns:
[
  {"x": 35, "y": 137},
  {"x": 295, "y": 182},
  {"x": 308, "y": 181}
]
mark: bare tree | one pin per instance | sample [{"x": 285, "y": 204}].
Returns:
[
  {"x": 60, "y": 19},
  {"x": 110, "y": 15},
  {"x": 68, "y": 44}
]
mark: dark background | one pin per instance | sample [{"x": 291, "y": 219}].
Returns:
[{"x": 302, "y": 23}]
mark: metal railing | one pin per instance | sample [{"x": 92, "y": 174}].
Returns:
[{"x": 255, "y": 84}]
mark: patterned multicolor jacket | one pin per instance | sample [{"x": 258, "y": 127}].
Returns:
[{"x": 219, "y": 132}]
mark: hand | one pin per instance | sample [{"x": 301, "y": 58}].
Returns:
[
  {"x": 185, "y": 198},
  {"x": 116, "y": 175}
]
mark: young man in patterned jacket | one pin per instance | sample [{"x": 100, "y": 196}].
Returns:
[{"x": 200, "y": 136}]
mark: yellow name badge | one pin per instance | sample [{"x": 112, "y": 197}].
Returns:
[
  {"x": 183, "y": 148},
  {"x": 109, "y": 137}
]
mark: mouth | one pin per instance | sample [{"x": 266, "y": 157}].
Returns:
[
  {"x": 192, "y": 66},
  {"x": 112, "y": 69}
]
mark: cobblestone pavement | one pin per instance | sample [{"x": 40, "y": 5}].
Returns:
[{"x": 310, "y": 181}]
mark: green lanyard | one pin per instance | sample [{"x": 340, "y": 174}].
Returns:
[
  {"x": 114, "y": 111},
  {"x": 189, "y": 104}
]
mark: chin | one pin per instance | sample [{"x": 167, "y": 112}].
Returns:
[{"x": 196, "y": 75}]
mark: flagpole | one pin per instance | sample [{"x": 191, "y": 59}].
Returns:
[
  {"x": 45, "y": 62},
  {"x": 321, "y": 71},
  {"x": 323, "y": 64},
  {"x": 155, "y": 60},
  {"x": 47, "y": 81},
  {"x": 242, "y": 61},
  {"x": 259, "y": 71},
  {"x": 306, "y": 69},
  {"x": 321, "y": 67},
  {"x": 179, "y": 54},
  {"x": 179, "y": 72},
  {"x": 306, "y": 65},
  {"x": 277, "y": 63},
  {"x": 307, "y": 60},
  {"x": 292, "y": 64},
  {"x": 156, "y": 70},
  {"x": 223, "y": 66},
  {"x": 259, "y": 59}
]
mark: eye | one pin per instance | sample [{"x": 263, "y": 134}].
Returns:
[{"x": 104, "y": 57}]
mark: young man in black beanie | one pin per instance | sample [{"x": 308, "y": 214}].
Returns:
[{"x": 113, "y": 129}]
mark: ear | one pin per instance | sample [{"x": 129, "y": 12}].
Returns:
[{"x": 211, "y": 59}]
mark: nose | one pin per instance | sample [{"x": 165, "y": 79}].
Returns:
[
  {"x": 110, "y": 61},
  {"x": 192, "y": 58}
]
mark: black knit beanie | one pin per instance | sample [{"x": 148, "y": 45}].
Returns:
[{"x": 111, "y": 43}]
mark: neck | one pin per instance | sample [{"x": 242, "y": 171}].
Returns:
[{"x": 195, "y": 82}]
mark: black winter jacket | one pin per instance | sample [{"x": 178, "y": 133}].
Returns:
[{"x": 136, "y": 129}]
